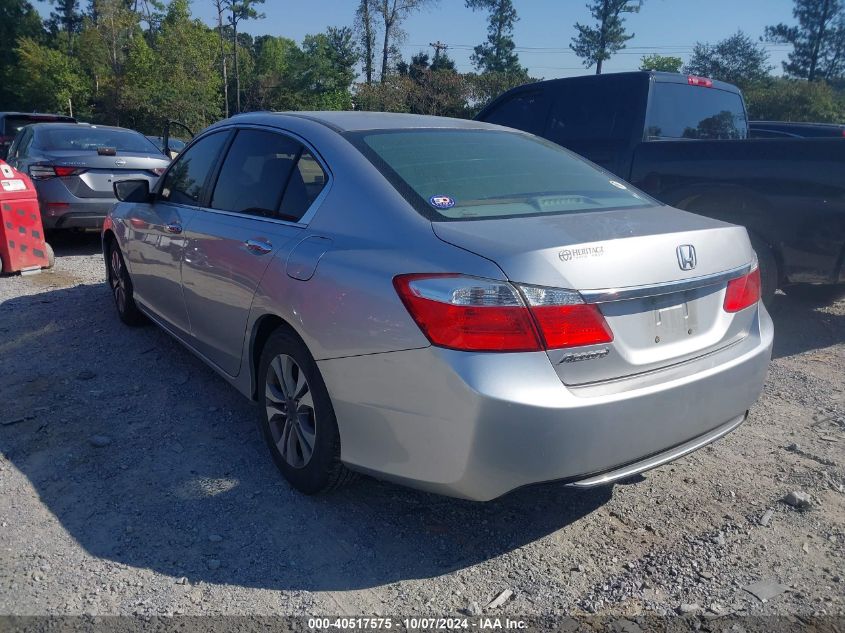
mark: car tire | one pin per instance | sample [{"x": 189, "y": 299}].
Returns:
[
  {"x": 120, "y": 284},
  {"x": 769, "y": 275},
  {"x": 297, "y": 418}
]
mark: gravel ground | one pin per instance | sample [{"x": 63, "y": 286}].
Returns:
[{"x": 133, "y": 481}]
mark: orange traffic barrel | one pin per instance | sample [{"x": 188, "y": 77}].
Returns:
[{"x": 22, "y": 245}]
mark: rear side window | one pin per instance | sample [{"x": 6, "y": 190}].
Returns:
[
  {"x": 184, "y": 181},
  {"x": 304, "y": 185},
  {"x": 695, "y": 112},
  {"x": 255, "y": 172},
  {"x": 453, "y": 174},
  {"x": 525, "y": 111},
  {"x": 596, "y": 110}
]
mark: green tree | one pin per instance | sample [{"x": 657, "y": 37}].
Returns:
[
  {"x": 818, "y": 40},
  {"x": 737, "y": 59},
  {"x": 365, "y": 29},
  {"x": 497, "y": 53},
  {"x": 18, "y": 19},
  {"x": 485, "y": 87},
  {"x": 274, "y": 83},
  {"x": 596, "y": 44},
  {"x": 240, "y": 10},
  {"x": 786, "y": 99},
  {"x": 66, "y": 20},
  {"x": 103, "y": 47},
  {"x": 175, "y": 76},
  {"x": 55, "y": 81},
  {"x": 665, "y": 63},
  {"x": 392, "y": 14},
  {"x": 327, "y": 69},
  {"x": 442, "y": 61},
  {"x": 220, "y": 10}
]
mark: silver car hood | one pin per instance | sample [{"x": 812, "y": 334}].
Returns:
[{"x": 602, "y": 249}]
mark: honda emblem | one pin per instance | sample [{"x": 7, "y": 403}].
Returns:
[{"x": 686, "y": 256}]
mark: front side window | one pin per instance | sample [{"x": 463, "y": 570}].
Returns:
[
  {"x": 184, "y": 181},
  {"x": 457, "y": 174},
  {"x": 681, "y": 111},
  {"x": 255, "y": 172}
]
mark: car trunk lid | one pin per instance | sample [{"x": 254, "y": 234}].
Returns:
[
  {"x": 98, "y": 171},
  {"x": 629, "y": 262}
]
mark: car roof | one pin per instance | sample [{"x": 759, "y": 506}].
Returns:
[
  {"x": 349, "y": 121},
  {"x": 644, "y": 75}
]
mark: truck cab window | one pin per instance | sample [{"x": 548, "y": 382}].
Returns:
[{"x": 526, "y": 111}]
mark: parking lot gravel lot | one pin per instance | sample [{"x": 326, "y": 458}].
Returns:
[{"x": 133, "y": 481}]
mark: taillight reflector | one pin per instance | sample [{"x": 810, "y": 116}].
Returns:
[
  {"x": 471, "y": 314},
  {"x": 743, "y": 292},
  {"x": 702, "y": 82}
]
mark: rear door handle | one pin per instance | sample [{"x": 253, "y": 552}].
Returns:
[
  {"x": 173, "y": 227},
  {"x": 259, "y": 247}
]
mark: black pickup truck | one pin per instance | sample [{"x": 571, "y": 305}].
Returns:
[{"x": 684, "y": 140}]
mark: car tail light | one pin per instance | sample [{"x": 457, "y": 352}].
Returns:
[
  {"x": 484, "y": 315},
  {"x": 564, "y": 319},
  {"x": 40, "y": 172},
  {"x": 64, "y": 172},
  {"x": 703, "y": 82},
  {"x": 743, "y": 292},
  {"x": 468, "y": 313}
]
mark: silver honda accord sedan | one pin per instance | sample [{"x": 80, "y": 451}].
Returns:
[{"x": 452, "y": 305}]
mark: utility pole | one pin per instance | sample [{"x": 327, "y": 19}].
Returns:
[{"x": 438, "y": 46}]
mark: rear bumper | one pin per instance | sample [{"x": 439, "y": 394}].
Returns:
[
  {"x": 85, "y": 215},
  {"x": 676, "y": 452},
  {"x": 480, "y": 425},
  {"x": 60, "y": 209}
]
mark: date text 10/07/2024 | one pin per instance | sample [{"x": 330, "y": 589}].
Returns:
[{"x": 417, "y": 624}]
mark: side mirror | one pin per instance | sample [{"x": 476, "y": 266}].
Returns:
[{"x": 132, "y": 190}]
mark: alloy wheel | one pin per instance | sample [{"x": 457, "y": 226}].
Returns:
[
  {"x": 118, "y": 284},
  {"x": 290, "y": 411}
]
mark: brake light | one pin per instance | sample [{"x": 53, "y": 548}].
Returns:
[
  {"x": 41, "y": 172},
  {"x": 64, "y": 172},
  {"x": 484, "y": 315},
  {"x": 743, "y": 292},
  {"x": 564, "y": 319},
  {"x": 467, "y": 313},
  {"x": 702, "y": 82}
]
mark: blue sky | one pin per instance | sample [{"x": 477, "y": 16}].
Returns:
[{"x": 544, "y": 31}]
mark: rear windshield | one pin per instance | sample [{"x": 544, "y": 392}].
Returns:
[
  {"x": 695, "y": 112},
  {"x": 86, "y": 138},
  {"x": 480, "y": 174}
]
